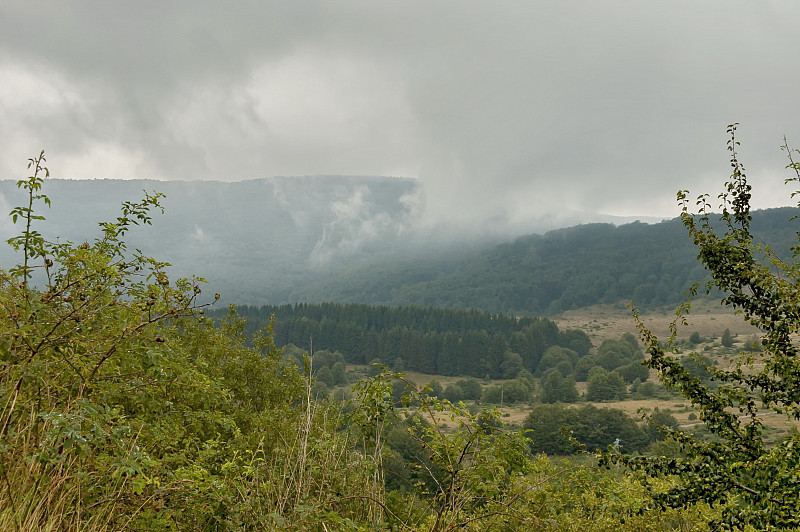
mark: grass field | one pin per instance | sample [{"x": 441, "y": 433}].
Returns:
[{"x": 600, "y": 322}]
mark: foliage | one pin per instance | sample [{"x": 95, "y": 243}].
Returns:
[
  {"x": 580, "y": 498},
  {"x": 613, "y": 354},
  {"x": 430, "y": 340},
  {"x": 558, "y": 389},
  {"x": 649, "y": 389},
  {"x": 453, "y": 393},
  {"x": 471, "y": 388},
  {"x": 124, "y": 408},
  {"x": 556, "y": 429},
  {"x": 435, "y": 388},
  {"x": 469, "y": 475},
  {"x": 752, "y": 483},
  {"x": 604, "y": 385},
  {"x": 511, "y": 365},
  {"x": 583, "y": 367},
  {"x": 517, "y": 390},
  {"x": 633, "y": 372},
  {"x": 557, "y": 357},
  {"x": 576, "y": 340},
  {"x": 727, "y": 338},
  {"x": 93, "y": 334}
]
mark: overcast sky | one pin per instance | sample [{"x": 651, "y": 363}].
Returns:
[{"x": 503, "y": 108}]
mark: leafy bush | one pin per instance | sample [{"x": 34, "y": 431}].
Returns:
[
  {"x": 124, "y": 408},
  {"x": 467, "y": 475},
  {"x": 603, "y": 385},
  {"x": 634, "y": 370},
  {"x": 552, "y": 428},
  {"x": 471, "y": 388},
  {"x": 558, "y": 389},
  {"x": 510, "y": 392}
]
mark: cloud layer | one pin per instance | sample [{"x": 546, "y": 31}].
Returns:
[{"x": 510, "y": 110}]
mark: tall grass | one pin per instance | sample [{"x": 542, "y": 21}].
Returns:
[{"x": 70, "y": 491}]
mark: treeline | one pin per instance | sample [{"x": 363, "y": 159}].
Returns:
[
  {"x": 429, "y": 340},
  {"x": 592, "y": 428}
]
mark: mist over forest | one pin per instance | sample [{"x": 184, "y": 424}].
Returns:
[{"x": 356, "y": 239}]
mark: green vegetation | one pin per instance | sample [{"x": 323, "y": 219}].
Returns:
[
  {"x": 653, "y": 265},
  {"x": 430, "y": 340},
  {"x": 591, "y": 427},
  {"x": 124, "y": 407},
  {"x": 727, "y": 338},
  {"x": 749, "y": 476},
  {"x": 127, "y": 404},
  {"x": 556, "y": 388},
  {"x": 448, "y": 342}
]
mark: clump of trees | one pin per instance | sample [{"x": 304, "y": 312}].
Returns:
[
  {"x": 559, "y": 429},
  {"x": 478, "y": 345},
  {"x": 437, "y": 341}
]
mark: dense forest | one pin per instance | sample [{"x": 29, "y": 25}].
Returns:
[
  {"x": 456, "y": 343},
  {"x": 431, "y": 340}
]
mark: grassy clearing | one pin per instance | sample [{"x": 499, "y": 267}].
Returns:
[{"x": 602, "y": 322}]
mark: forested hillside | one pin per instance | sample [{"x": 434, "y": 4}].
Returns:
[{"x": 546, "y": 274}]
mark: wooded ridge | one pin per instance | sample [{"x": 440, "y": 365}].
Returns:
[{"x": 353, "y": 240}]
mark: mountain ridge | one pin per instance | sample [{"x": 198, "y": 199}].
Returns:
[{"x": 359, "y": 239}]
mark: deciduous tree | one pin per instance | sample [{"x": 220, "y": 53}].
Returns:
[{"x": 755, "y": 483}]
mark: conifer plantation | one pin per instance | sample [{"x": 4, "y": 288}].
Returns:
[{"x": 130, "y": 401}]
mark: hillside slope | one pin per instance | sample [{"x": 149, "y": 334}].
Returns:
[{"x": 546, "y": 274}]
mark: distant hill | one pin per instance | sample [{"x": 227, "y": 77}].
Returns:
[
  {"x": 248, "y": 237},
  {"x": 353, "y": 239},
  {"x": 546, "y": 274}
]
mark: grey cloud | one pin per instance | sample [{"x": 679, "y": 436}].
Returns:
[{"x": 503, "y": 110}]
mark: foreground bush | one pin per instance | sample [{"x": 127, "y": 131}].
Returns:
[
  {"x": 123, "y": 408},
  {"x": 753, "y": 481}
]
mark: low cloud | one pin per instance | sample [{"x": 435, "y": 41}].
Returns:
[
  {"x": 352, "y": 227},
  {"x": 503, "y": 111}
]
